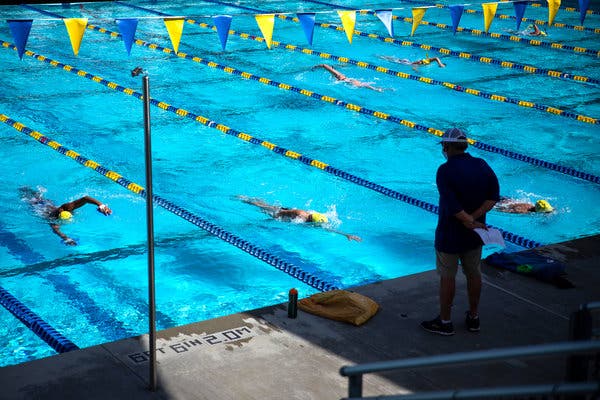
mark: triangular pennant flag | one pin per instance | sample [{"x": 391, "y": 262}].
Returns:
[
  {"x": 19, "y": 29},
  {"x": 489, "y": 12},
  {"x": 417, "y": 13},
  {"x": 456, "y": 12},
  {"x": 385, "y": 16},
  {"x": 175, "y": 29},
  {"x": 307, "y": 20},
  {"x": 75, "y": 29},
  {"x": 553, "y": 6},
  {"x": 127, "y": 27},
  {"x": 222, "y": 22},
  {"x": 348, "y": 21},
  {"x": 583, "y": 7},
  {"x": 520, "y": 7},
  {"x": 266, "y": 23}
]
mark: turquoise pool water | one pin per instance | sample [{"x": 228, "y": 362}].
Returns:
[{"x": 96, "y": 292}]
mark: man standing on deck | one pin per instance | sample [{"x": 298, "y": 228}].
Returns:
[{"x": 468, "y": 189}]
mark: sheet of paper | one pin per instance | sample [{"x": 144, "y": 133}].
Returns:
[{"x": 491, "y": 236}]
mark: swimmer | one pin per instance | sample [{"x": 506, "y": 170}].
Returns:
[
  {"x": 415, "y": 64},
  {"x": 510, "y": 206},
  {"x": 535, "y": 31},
  {"x": 295, "y": 215},
  {"x": 343, "y": 78},
  {"x": 57, "y": 215}
]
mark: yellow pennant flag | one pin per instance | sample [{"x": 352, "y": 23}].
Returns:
[
  {"x": 175, "y": 29},
  {"x": 553, "y": 6},
  {"x": 348, "y": 21},
  {"x": 266, "y": 23},
  {"x": 489, "y": 12},
  {"x": 75, "y": 29},
  {"x": 418, "y": 13}
]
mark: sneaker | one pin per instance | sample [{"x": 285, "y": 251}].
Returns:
[
  {"x": 472, "y": 323},
  {"x": 437, "y": 326}
]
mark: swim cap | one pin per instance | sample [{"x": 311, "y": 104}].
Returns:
[
  {"x": 65, "y": 215},
  {"x": 543, "y": 206},
  {"x": 425, "y": 61},
  {"x": 318, "y": 218}
]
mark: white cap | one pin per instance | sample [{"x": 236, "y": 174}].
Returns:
[{"x": 454, "y": 135}]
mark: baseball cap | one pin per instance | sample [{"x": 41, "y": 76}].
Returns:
[{"x": 454, "y": 135}]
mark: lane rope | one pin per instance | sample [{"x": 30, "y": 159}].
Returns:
[
  {"x": 513, "y": 238},
  {"x": 478, "y": 32},
  {"x": 209, "y": 227},
  {"x": 436, "y": 132},
  {"x": 441, "y": 50},
  {"x": 402, "y": 75},
  {"x": 35, "y": 323}
]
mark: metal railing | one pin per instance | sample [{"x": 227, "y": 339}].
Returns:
[{"x": 579, "y": 379}]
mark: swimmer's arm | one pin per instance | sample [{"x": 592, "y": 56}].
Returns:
[
  {"x": 103, "y": 208},
  {"x": 66, "y": 240},
  {"x": 348, "y": 236}
]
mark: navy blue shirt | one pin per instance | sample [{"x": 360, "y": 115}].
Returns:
[{"x": 464, "y": 183}]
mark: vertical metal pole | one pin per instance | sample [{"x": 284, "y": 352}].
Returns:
[{"x": 150, "y": 226}]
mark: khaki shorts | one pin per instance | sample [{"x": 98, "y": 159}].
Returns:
[{"x": 447, "y": 264}]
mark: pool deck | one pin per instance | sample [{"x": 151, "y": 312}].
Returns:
[{"x": 262, "y": 354}]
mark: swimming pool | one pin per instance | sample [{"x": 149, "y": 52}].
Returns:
[{"x": 96, "y": 292}]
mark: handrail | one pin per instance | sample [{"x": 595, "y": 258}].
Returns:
[
  {"x": 495, "y": 392},
  {"x": 355, "y": 372}
]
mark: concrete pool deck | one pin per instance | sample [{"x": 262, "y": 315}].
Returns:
[{"x": 262, "y": 354}]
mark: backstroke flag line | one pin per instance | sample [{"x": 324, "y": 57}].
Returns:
[
  {"x": 307, "y": 20},
  {"x": 385, "y": 16}
]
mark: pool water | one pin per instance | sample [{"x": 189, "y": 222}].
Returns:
[{"x": 97, "y": 291}]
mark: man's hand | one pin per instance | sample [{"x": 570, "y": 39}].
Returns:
[
  {"x": 103, "y": 208},
  {"x": 70, "y": 242}
]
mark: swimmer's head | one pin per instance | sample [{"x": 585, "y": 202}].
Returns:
[
  {"x": 543, "y": 206},
  {"x": 318, "y": 218},
  {"x": 65, "y": 215}
]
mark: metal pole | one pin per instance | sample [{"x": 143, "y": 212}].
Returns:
[{"x": 150, "y": 225}]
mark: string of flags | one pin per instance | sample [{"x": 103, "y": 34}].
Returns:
[{"x": 20, "y": 28}]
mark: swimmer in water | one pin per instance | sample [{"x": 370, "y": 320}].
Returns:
[
  {"x": 295, "y": 215},
  {"x": 343, "y": 78},
  {"x": 56, "y": 215},
  {"x": 535, "y": 31},
  {"x": 415, "y": 64},
  {"x": 510, "y": 206}
]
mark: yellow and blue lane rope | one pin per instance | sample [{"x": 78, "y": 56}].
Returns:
[
  {"x": 478, "y": 32},
  {"x": 353, "y": 107},
  {"x": 209, "y": 227},
  {"x": 513, "y": 238},
  {"x": 362, "y": 64},
  {"x": 441, "y": 50},
  {"x": 539, "y": 22}
]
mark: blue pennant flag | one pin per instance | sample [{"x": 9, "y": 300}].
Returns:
[
  {"x": 307, "y": 20},
  {"x": 583, "y": 7},
  {"x": 222, "y": 22},
  {"x": 520, "y": 7},
  {"x": 456, "y": 12},
  {"x": 127, "y": 27},
  {"x": 19, "y": 29}
]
